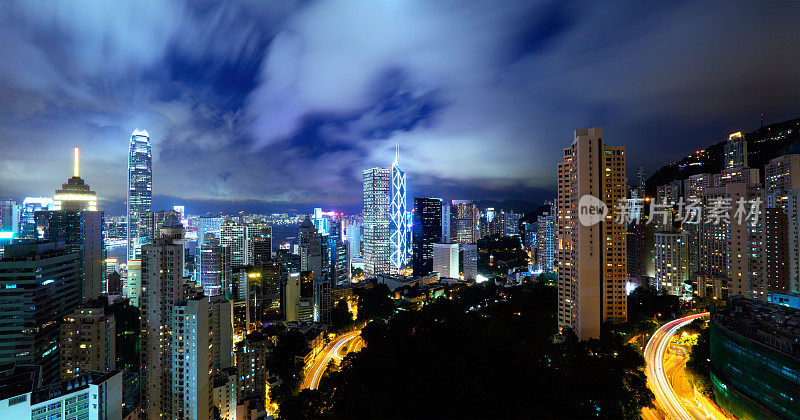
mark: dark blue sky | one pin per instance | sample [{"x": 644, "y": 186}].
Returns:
[{"x": 277, "y": 105}]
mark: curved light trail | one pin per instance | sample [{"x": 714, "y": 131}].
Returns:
[
  {"x": 656, "y": 375},
  {"x": 314, "y": 373}
]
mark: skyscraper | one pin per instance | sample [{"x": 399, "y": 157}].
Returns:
[
  {"x": 466, "y": 218},
  {"x": 427, "y": 231},
  {"x": 27, "y": 219},
  {"x": 398, "y": 230},
  {"x": 591, "y": 252},
  {"x": 377, "y": 193},
  {"x": 671, "y": 261},
  {"x": 140, "y": 187},
  {"x": 39, "y": 285},
  {"x": 162, "y": 289},
  {"x": 546, "y": 241},
  {"x": 736, "y": 151}
]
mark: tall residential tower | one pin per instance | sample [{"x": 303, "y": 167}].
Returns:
[{"x": 591, "y": 245}]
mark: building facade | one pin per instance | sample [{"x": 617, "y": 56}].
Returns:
[
  {"x": 376, "y": 212},
  {"x": 140, "y": 187}
]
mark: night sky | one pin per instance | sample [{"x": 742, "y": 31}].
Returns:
[{"x": 280, "y": 104}]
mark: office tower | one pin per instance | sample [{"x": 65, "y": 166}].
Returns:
[
  {"x": 427, "y": 231},
  {"x": 398, "y": 229},
  {"x": 298, "y": 297},
  {"x": 114, "y": 283},
  {"x": 87, "y": 342},
  {"x": 206, "y": 225},
  {"x": 671, "y": 261},
  {"x": 338, "y": 267},
  {"x": 132, "y": 288},
  {"x": 467, "y": 216},
  {"x": 735, "y": 151},
  {"x": 211, "y": 267},
  {"x": 469, "y": 261},
  {"x": 257, "y": 291},
  {"x": 140, "y": 187},
  {"x": 75, "y": 195},
  {"x": 321, "y": 221},
  {"x": 353, "y": 233},
  {"x": 510, "y": 224},
  {"x": 10, "y": 214},
  {"x": 151, "y": 221},
  {"x": 82, "y": 233},
  {"x": 110, "y": 265},
  {"x": 189, "y": 359},
  {"x": 592, "y": 256},
  {"x": 448, "y": 215},
  {"x": 377, "y": 193},
  {"x": 39, "y": 285},
  {"x": 181, "y": 210},
  {"x": 530, "y": 230},
  {"x": 27, "y": 219},
  {"x": 546, "y": 241},
  {"x": 162, "y": 289},
  {"x": 314, "y": 259},
  {"x": 260, "y": 240},
  {"x": 445, "y": 260},
  {"x": 232, "y": 236},
  {"x": 782, "y": 173},
  {"x": 93, "y": 395}
]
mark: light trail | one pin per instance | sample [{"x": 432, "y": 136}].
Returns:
[{"x": 656, "y": 375}]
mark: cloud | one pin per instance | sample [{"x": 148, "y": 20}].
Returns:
[{"x": 289, "y": 101}]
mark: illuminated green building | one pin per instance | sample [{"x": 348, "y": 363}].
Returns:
[{"x": 755, "y": 359}]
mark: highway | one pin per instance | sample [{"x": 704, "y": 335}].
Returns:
[
  {"x": 314, "y": 373},
  {"x": 673, "y": 406}
]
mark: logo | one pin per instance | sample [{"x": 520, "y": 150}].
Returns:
[{"x": 591, "y": 210}]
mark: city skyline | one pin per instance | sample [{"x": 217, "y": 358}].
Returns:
[{"x": 222, "y": 110}]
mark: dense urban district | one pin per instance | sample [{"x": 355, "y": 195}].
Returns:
[{"x": 674, "y": 296}]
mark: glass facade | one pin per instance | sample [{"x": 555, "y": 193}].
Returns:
[{"x": 140, "y": 187}]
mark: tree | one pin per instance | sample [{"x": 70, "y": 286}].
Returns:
[{"x": 374, "y": 302}]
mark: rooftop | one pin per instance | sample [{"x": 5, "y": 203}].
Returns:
[{"x": 772, "y": 325}]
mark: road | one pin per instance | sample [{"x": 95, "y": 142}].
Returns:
[
  {"x": 674, "y": 407},
  {"x": 314, "y": 373}
]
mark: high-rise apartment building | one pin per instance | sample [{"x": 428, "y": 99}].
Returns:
[
  {"x": 376, "y": 212},
  {"x": 132, "y": 288},
  {"x": 162, "y": 289},
  {"x": 39, "y": 285},
  {"x": 190, "y": 372},
  {"x": 671, "y": 261},
  {"x": 88, "y": 342},
  {"x": 427, "y": 231},
  {"x": 445, "y": 260},
  {"x": 151, "y": 221},
  {"x": 782, "y": 173},
  {"x": 140, "y": 187},
  {"x": 591, "y": 254},
  {"x": 546, "y": 241},
  {"x": 398, "y": 227}
]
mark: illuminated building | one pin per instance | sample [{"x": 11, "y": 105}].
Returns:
[
  {"x": 39, "y": 285},
  {"x": 211, "y": 267},
  {"x": 10, "y": 213},
  {"x": 782, "y": 173},
  {"x": 445, "y": 260},
  {"x": 377, "y": 198},
  {"x": 27, "y": 219},
  {"x": 93, "y": 395},
  {"x": 398, "y": 228},
  {"x": 755, "y": 359},
  {"x": 736, "y": 151},
  {"x": 546, "y": 241},
  {"x": 466, "y": 221},
  {"x": 162, "y": 280},
  {"x": 190, "y": 348},
  {"x": 671, "y": 261},
  {"x": 132, "y": 288},
  {"x": 427, "y": 231},
  {"x": 88, "y": 342},
  {"x": 76, "y": 222},
  {"x": 206, "y": 225},
  {"x": 448, "y": 217},
  {"x": 140, "y": 186},
  {"x": 469, "y": 261},
  {"x": 591, "y": 257}
]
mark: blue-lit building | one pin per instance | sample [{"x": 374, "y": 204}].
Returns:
[
  {"x": 755, "y": 359},
  {"x": 140, "y": 187},
  {"x": 398, "y": 227},
  {"x": 27, "y": 219}
]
